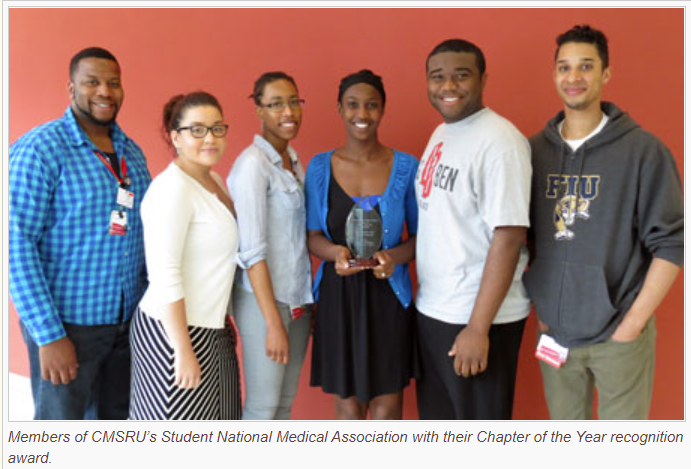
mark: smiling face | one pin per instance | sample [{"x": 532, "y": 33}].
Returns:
[
  {"x": 279, "y": 127},
  {"x": 195, "y": 152},
  {"x": 455, "y": 85},
  {"x": 95, "y": 91},
  {"x": 579, "y": 76},
  {"x": 361, "y": 109}
]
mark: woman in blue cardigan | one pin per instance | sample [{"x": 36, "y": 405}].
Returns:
[{"x": 364, "y": 347}]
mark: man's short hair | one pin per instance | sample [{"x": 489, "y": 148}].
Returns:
[
  {"x": 88, "y": 53},
  {"x": 585, "y": 34},
  {"x": 460, "y": 45}
]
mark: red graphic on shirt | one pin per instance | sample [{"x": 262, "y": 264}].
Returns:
[{"x": 428, "y": 172}]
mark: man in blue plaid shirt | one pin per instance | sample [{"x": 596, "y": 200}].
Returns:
[{"x": 76, "y": 249}]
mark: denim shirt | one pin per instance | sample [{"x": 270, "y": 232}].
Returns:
[
  {"x": 270, "y": 206},
  {"x": 397, "y": 205}
]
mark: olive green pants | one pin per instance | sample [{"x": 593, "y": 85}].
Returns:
[{"x": 622, "y": 372}]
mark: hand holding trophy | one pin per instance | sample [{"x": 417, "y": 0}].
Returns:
[{"x": 364, "y": 232}]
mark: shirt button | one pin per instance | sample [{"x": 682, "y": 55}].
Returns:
[{"x": 386, "y": 231}]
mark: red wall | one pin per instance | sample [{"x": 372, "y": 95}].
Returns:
[{"x": 168, "y": 51}]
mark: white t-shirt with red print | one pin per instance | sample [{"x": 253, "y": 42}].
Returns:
[{"x": 474, "y": 176}]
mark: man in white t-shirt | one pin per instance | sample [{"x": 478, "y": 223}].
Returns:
[{"x": 473, "y": 191}]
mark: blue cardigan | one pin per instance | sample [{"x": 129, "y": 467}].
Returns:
[{"x": 397, "y": 205}]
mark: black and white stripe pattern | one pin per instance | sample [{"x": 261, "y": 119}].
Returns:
[{"x": 153, "y": 395}]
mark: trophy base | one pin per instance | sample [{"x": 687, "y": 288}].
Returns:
[{"x": 363, "y": 262}]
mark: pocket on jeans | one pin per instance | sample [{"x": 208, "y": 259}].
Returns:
[{"x": 647, "y": 335}]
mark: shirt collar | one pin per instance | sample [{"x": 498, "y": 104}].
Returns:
[
  {"x": 469, "y": 119},
  {"x": 78, "y": 137},
  {"x": 271, "y": 152}
]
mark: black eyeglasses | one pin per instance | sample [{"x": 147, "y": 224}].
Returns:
[
  {"x": 279, "y": 106},
  {"x": 200, "y": 131}
]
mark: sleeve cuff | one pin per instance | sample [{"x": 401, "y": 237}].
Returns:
[
  {"x": 247, "y": 259},
  {"x": 674, "y": 255},
  {"x": 47, "y": 332},
  {"x": 169, "y": 293}
]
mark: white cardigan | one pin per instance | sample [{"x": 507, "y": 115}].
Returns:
[{"x": 191, "y": 243}]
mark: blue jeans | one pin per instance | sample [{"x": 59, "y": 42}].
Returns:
[
  {"x": 102, "y": 388},
  {"x": 270, "y": 387}
]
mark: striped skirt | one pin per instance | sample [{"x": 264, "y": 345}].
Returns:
[{"x": 154, "y": 396}]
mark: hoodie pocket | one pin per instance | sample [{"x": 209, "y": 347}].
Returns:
[
  {"x": 569, "y": 297},
  {"x": 543, "y": 283},
  {"x": 586, "y": 307}
]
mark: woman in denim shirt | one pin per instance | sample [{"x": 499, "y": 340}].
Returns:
[
  {"x": 364, "y": 348},
  {"x": 272, "y": 293}
]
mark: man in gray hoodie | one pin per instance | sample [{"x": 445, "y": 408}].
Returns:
[{"x": 607, "y": 224}]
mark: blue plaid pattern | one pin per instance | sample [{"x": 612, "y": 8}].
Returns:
[{"x": 64, "y": 266}]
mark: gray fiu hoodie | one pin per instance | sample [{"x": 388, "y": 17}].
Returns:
[{"x": 598, "y": 217}]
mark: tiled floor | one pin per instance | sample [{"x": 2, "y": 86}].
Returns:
[{"x": 20, "y": 403}]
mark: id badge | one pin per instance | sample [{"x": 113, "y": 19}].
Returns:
[
  {"x": 125, "y": 198},
  {"x": 118, "y": 223},
  {"x": 550, "y": 352}
]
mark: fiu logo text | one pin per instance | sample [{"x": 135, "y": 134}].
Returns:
[
  {"x": 437, "y": 175},
  {"x": 574, "y": 195}
]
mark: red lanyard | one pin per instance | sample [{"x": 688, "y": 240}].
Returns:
[{"x": 124, "y": 181}]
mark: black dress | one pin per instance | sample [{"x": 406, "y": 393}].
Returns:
[{"x": 363, "y": 336}]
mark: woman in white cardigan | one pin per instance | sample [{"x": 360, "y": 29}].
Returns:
[{"x": 183, "y": 349}]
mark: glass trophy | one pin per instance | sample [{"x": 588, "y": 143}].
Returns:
[{"x": 364, "y": 234}]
